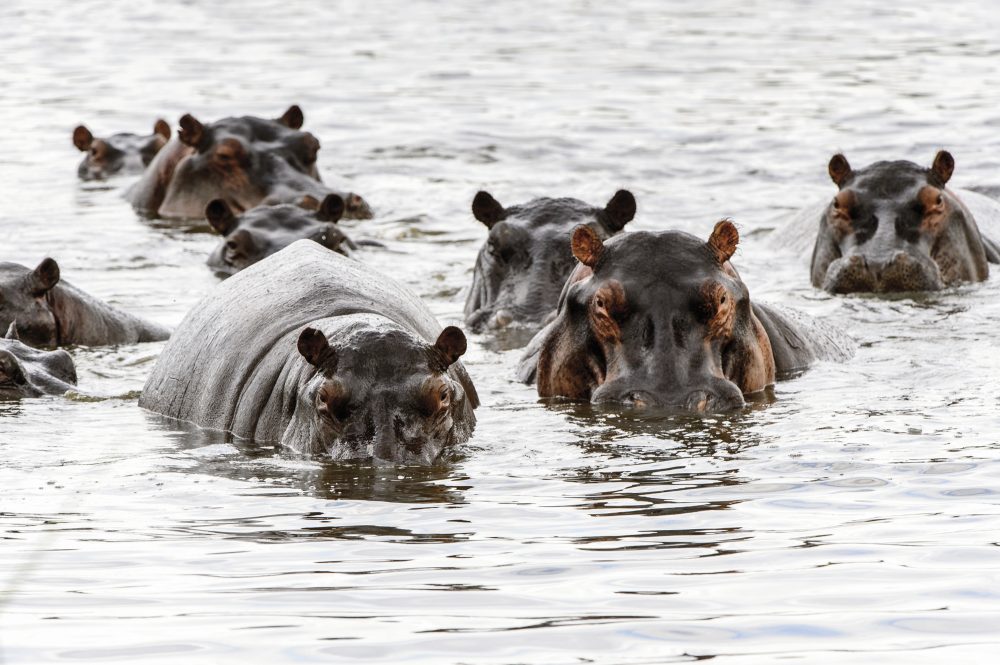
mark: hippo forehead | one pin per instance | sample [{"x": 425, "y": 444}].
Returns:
[
  {"x": 888, "y": 179},
  {"x": 11, "y": 275},
  {"x": 643, "y": 258},
  {"x": 382, "y": 352},
  {"x": 283, "y": 216},
  {"x": 548, "y": 213}
]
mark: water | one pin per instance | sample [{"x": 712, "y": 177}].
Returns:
[{"x": 851, "y": 518}]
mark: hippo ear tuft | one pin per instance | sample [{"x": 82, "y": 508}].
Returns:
[
  {"x": 451, "y": 344},
  {"x": 724, "y": 240},
  {"x": 316, "y": 349},
  {"x": 162, "y": 128},
  {"x": 587, "y": 245},
  {"x": 82, "y": 138},
  {"x": 44, "y": 277},
  {"x": 944, "y": 166},
  {"x": 839, "y": 169},
  {"x": 220, "y": 216},
  {"x": 331, "y": 209},
  {"x": 12, "y": 331},
  {"x": 192, "y": 132},
  {"x": 487, "y": 209},
  {"x": 292, "y": 118},
  {"x": 620, "y": 210}
]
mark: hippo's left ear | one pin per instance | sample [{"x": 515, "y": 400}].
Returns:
[
  {"x": 724, "y": 240},
  {"x": 192, "y": 132},
  {"x": 292, "y": 118},
  {"x": 487, "y": 209},
  {"x": 82, "y": 138},
  {"x": 451, "y": 345},
  {"x": 587, "y": 245},
  {"x": 162, "y": 128},
  {"x": 316, "y": 349},
  {"x": 44, "y": 277},
  {"x": 839, "y": 169},
  {"x": 331, "y": 209},
  {"x": 12, "y": 331},
  {"x": 943, "y": 167},
  {"x": 620, "y": 210},
  {"x": 220, "y": 216}
]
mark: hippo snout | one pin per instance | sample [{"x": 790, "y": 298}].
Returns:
[
  {"x": 356, "y": 207},
  {"x": 899, "y": 271},
  {"x": 702, "y": 401}
]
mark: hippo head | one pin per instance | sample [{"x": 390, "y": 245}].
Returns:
[
  {"x": 29, "y": 372},
  {"x": 656, "y": 320},
  {"x": 264, "y": 230},
  {"x": 245, "y": 162},
  {"x": 24, "y": 300},
  {"x": 526, "y": 259},
  {"x": 382, "y": 393},
  {"x": 119, "y": 152},
  {"x": 894, "y": 227}
]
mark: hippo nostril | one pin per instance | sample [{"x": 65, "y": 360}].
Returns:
[
  {"x": 638, "y": 399},
  {"x": 697, "y": 401}
]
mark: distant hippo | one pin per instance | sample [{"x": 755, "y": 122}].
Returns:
[
  {"x": 322, "y": 354},
  {"x": 893, "y": 226},
  {"x": 526, "y": 259},
  {"x": 663, "y": 319},
  {"x": 264, "y": 230},
  {"x": 122, "y": 153},
  {"x": 53, "y": 313},
  {"x": 245, "y": 161},
  {"x": 29, "y": 372}
]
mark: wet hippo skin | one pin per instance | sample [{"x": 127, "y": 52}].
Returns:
[
  {"x": 29, "y": 372},
  {"x": 121, "y": 153}
]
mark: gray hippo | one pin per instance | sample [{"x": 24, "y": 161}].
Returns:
[
  {"x": 894, "y": 226},
  {"x": 522, "y": 266},
  {"x": 122, "y": 153},
  {"x": 321, "y": 354},
  {"x": 53, "y": 313},
  {"x": 663, "y": 319},
  {"x": 246, "y": 161},
  {"x": 264, "y": 230},
  {"x": 29, "y": 372}
]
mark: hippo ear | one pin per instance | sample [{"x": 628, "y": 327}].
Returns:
[
  {"x": 944, "y": 166},
  {"x": 220, "y": 216},
  {"x": 451, "y": 345},
  {"x": 331, "y": 209},
  {"x": 292, "y": 118},
  {"x": 192, "y": 132},
  {"x": 12, "y": 331},
  {"x": 724, "y": 240},
  {"x": 316, "y": 349},
  {"x": 82, "y": 138},
  {"x": 839, "y": 169},
  {"x": 620, "y": 210},
  {"x": 587, "y": 245},
  {"x": 44, "y": 277},
  {"x": 487, "y": 209},
  {"x": 162, "y": 128}
]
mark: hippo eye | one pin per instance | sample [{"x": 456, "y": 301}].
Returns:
[{"x": 940, "y": 200}]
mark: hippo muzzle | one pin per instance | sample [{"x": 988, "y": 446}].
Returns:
[{"x": 896, "y": 271}]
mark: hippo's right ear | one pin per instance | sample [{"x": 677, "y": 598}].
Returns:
[
  {"x": 82, "y": 138},
  {"x": 162, "y": 128},
  {"x": 451, "y": 345},
  {"x": 724, "y": 240},
  {"x": 587, "y": 245},
  {"x": 292, "y": 118},
  {"x": 316, "y": 350},
  {"x": 943, "y": 167},
  {"x": 620, "y": 210},
  {"x": 220, "y": 217},
  {"x": 839, "y": 169},
  {"x": 192, "y": 132},
  {"x": 331, "y": 209},
  {"x": 487, "y": 209},
  {"x": 44, "y": 277}
]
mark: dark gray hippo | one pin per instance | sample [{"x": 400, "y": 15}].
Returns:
[
  {"x": 245, "y": 161},
  {"x": 53, "y": 313},
  {"x": 122, "y": 153},
  {"x": 321, "y": 354},
  {"x": 29, "y": 372},
  {"x": 664, "y": 320},
  {"x": 522, "y": 266},
  {"x": 264, "y": 230},
  {"x": 894, "y": 226}
]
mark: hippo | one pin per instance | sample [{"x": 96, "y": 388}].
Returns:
[
  {"x": 522, "y": 266},
  {"x": 262, "y": 231},
  {"x": 246, "y": 161},
  {"x": 123, "y": 153},
  {"x": 51, "y": 313},
  {"x": 29, "y": 372},
  {"x": 662, "y": 319},
  {"x": 894, "y": 226},
  {"x": 322, "y": 355}
]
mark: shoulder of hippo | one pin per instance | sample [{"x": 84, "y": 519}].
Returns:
[{"x": 963, "y": 229}]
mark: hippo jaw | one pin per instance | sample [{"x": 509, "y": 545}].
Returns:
[{"x": 29, "y": 372}]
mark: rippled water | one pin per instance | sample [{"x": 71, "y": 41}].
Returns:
[{"x": 851, "y": 519}]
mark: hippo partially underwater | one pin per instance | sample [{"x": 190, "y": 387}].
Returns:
[
  {"x": 29, "y": 372},
  {"x": 664, "y": 320},
  {"x": 122, "y": 153},
  {"x": 245, "y": 161},
  {"x": 50, "y": 312},
  {"x": 321, "y": 354}
]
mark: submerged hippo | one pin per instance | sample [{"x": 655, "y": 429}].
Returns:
[
  {"x": 663, "y": 319},
  {"x": 53, "y": 313},
  {"x": 264, "y": 230},
  {"x": 29, "y": 372},
  {"x": 123, "y": 153},
  {"x": 893, "y": 226},
  {"x": 322, "y": 354},
  {"x": 245, "y": 161},
  {"x": 526, "y": 259}
]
